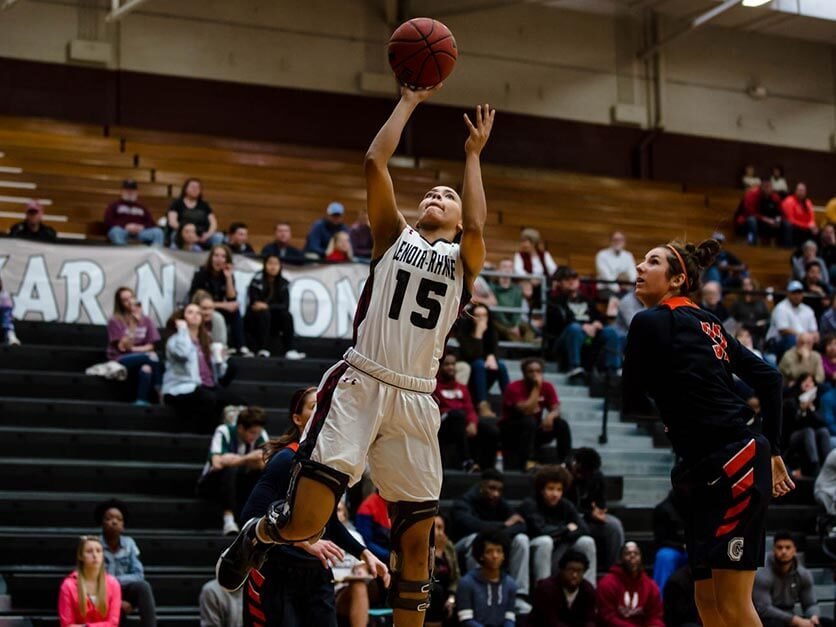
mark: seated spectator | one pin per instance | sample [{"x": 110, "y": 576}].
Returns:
[
  {"x": 828, "y": 359},
  {"x": 806, "y": 432},
  {"x": 126, "y": 219},
  {"x": 234, "y": 464},
  {"x": 799, "y": 222},
  {"x": 219, "y": 607},
  {"x": 446, "y": 577},
  {"x": 728, "y": 270},
  {"x": 462, "y": 437},
  {"x": 712, "y": 300},
  {"x": 323, "y": 230},
  {"x": 627, "y": 596},
  {"x": 784, "y": 583},
  {"x": 531, "y": 418},
  {"x": 76, "y": 604},
  {"x": 268, "y": 313},
  {"x": 628, "y": 307},
  {"x": 510, "y": 325},
  {"x": 237, "y": 236},
  {"x": 615, "y": 264},
  {"x": 281, "y": 247},
  {"x": 533, "y": 259},
  {"x": 478, "y": 346},
  {"x": 131, "y": 336},
  {"x": 809, "y": 253},
  {"x": 186, "y": 239},
  {"x": 669, "y": 537},
  {"x": 678, "y": 599},
  {"x": 759, "y": 214},
  {"x": 818, "y": 291},
  {"x": 483, "y": 289},
  {"x": 573, "y": 320},
  {"x": 554, "y": 525},
  {"x": 750, "y": 177},
  {"x": 121, "y": 557},
  {"x": 824, "y": 489},
  {"x": 216, "y": 277},
  {"x": 750, "y": 311},
  {"x": 190, "y": 208},
  {"x": 779, "y": 183},
  {"x": 566, "y": 599},
  {"x": 486, "y": 596},
  {"x": 352, "y": 580},
  {"x": 213, "y": 321},
  {"x": 790, "y": 318},
  {"x": 192, "y": 383},
  {"x": 827, "y": 248},
  {"x": 33, "y": 227},
  {"x": 7, "y": 324},
  {"x": 373, "y": 524},
  {"x": 339, "y": 248},
  {"x": 588, "y": 492},
  {"x": 802, "y": 359},
  {"x": 360, "y": 234},
  {"x": 483, "y": 509},
  {"x": 828, "y": 320}
]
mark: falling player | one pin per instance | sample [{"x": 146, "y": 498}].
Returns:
[
  {"x": 682, "y": 358},
  {"x": 377, "y": 402}
]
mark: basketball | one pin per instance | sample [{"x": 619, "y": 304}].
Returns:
[{"x": 422, "y": 52}]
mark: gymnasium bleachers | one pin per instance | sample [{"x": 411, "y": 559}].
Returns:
[
  {"x": 72, "y": 440},
  {"x": 78, "y": 169}
]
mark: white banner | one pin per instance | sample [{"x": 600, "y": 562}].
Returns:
[{"x": 73, "y": 284}]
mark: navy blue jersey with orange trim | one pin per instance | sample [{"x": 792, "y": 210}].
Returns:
[{"x": 682, "y": 358}]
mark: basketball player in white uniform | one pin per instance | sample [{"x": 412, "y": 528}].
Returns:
[{"x": 376, "y": 403}]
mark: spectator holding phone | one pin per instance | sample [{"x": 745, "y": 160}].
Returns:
[{"x": 131, "y": 336}]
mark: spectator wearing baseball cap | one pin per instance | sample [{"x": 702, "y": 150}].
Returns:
[
  {"x": 127, "y": 220},
  {"x": 324, "y": 229},
  {"x": 33, "y": 227},
  {"x": 790, "y": 318}
]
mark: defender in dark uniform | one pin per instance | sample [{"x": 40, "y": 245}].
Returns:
[{"x": 730, "y": 466}]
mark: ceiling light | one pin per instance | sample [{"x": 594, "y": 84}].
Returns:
[{"x": 755, "y": 3}]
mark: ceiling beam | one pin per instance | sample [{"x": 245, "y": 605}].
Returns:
[
  {"x": 699, "y": 20},
  {"x": 118, "y": 11}
]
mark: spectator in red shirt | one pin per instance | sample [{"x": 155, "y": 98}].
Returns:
[
  {"x": 799, "y": 217},
  {"x": 128, "y": 220},
  {"x": 759, "y": 214},
  {"x": 463, "y": 437},
  {"x": 339, "y": 248},
  {"x": 627, "y": 597},
  {"x": 523, "y": 426}
]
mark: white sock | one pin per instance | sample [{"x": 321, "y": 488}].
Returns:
[{"x": 228, "y": 518}]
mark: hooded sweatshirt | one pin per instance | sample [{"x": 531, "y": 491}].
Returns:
[
  {"x": 542, "y": 520},
  {"x": 483, "y": 603},
  {"x": 775, "y": 595},
  {"x": 68, "y": 604},
  {"x": 625, "y": 601},
  {"x": 472, "y": 513}
]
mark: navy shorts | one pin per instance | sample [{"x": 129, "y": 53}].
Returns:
[{"x": 723, "y": 500}]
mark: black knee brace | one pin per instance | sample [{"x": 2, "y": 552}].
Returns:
[
  {"x": 279, "y": 513},
  {"x": 403, "y": 515}
]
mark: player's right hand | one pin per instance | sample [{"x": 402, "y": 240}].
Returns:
[
  {"x": 414, "y": 96},
  {"x": 782, "y": 483}
]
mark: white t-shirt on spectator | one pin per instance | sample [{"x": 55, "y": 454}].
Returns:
[
  {"x": 536, "y": 264},
  {"x": 609, "y": 265},
  {"x": 799, "y": 319}
]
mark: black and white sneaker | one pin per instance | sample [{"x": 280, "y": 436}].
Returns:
[{"x": 239, "y": 558}]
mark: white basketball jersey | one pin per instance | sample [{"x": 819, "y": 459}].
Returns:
[{"x": 409, "y": 304}]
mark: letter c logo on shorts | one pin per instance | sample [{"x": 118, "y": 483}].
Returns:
[{"x": 735, "y": 549}]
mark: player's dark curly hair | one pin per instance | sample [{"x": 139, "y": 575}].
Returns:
[{"x": 696, "y": 259}]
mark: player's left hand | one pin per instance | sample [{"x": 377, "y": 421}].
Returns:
[
  {"x": 479, "y": 133},
  {"x": 376, "y": 567},
  {"x": 325, "y": 551},
  {"x": 781, "y": 482}
]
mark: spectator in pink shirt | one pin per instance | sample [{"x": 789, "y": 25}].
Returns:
[
  {"x": 126, "y": 219},
  {"x": 799, "y": 219},
  {"x": 131, "y": 336},
  {"x": 89, "y": 597}
]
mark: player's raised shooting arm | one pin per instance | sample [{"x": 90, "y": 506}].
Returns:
[
  {"x": 384, "y": 218},
  {"x": 474, "y": 205}
]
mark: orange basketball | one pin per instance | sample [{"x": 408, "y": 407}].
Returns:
[{"x": 422, "y": 52}]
